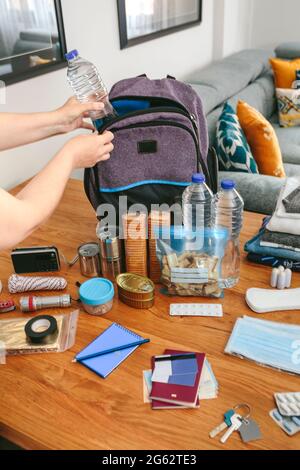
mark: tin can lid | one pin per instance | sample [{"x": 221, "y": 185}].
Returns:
[
  {"x": 89, "y": 250},
  {"x": 96, "y": 292},
  {"x": 135, "y": 283}
]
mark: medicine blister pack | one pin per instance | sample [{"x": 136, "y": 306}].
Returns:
[
  {"x": 290, "y": 426},
  {"x": 196, "y": 310},
  {"x": 288, "y": 403}
]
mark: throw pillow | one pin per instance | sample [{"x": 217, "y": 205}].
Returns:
[
  {"x": 233, "y": 150},
  {"x": 262, "y": 139},
  {"x": 288, "y": 107},
  {"x": 285, "y": 72}
]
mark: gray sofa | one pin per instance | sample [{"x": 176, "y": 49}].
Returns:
[{"x": 247, "y": 75}]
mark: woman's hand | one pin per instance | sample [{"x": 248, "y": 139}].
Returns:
[
  {"x": 71, "y": 115},
  {"x": 86, "y": 151}
]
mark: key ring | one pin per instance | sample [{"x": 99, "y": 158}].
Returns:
[{"x": 246, "y": 408}]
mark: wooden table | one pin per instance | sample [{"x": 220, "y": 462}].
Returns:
[{"x": 48, "y": 402}]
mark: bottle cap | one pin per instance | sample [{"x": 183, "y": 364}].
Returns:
[
  {"x": 72, "y": 54},
  {"x": 96, "y": 292},
  {"x": 228, "y": 184},
  {"x": 198, "y": 178}
]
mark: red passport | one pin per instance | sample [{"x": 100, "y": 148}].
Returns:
[{"x": 172, "y": 395}]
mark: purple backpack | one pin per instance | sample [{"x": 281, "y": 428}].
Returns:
[{"x": 161, "y": 140}]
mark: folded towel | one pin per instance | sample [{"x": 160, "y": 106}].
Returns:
[
  {"x": 282, "y": 221},
  {"x": 292, "y": 202},
  {"x": 281, "y": 240}
]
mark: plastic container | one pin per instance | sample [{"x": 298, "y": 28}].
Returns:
[
  {"x": 97, "y": 296},
  {"x": 197, "y": 204},
  {"x": 229, "y": 208},
  {"x": 88, "y": 86}
]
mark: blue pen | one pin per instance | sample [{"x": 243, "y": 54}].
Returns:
[{"x": 109, "y": 351}]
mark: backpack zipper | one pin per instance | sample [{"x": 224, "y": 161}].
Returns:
[
  {"x": 166, "y": 123},
  {"x": 164, "y": 109}
]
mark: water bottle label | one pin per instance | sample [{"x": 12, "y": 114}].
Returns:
[{"x": 189, "y": 276}]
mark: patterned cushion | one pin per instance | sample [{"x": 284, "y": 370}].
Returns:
[
  {"x": 288, "y": 107},
  {"x": 232, "y": 147}
]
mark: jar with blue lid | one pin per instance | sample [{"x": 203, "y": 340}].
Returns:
[{"x": 97, "y": 296}]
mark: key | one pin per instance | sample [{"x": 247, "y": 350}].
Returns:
[
  {"x": 226, "y": 424},
  {"x": 237, "y": 422}
]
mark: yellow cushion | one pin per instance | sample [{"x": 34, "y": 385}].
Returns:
[
  {"x": 262, "y": 139},
  {"x": 285, "y": 72}
]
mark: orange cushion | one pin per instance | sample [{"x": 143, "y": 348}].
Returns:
[
  {"x": 285, "y": 72},
  {"x": 262, "y": 139}
]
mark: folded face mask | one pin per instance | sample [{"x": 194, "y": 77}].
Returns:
[{"x": 276, "y": 345}]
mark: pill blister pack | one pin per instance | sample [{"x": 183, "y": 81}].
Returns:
[
  {"x": 288, "y": 403},
  {"x": 290, "y": 426},
  {"x": 196, "y": 310}
]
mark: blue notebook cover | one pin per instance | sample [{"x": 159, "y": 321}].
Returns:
[{"x": 114, "y": 337}]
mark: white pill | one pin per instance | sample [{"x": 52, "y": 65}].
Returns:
[
  {"x": 281, "y": 269},
  {"x": 274, "y": 278},
  {"x": 281, "y": 281},
  {"x": 288, "y": 278}
]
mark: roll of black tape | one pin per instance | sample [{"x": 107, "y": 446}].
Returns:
[{"x": 40, "y": 328}]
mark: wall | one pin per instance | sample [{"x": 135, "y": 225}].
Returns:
[
  {"x": 92, "y": 27},
  {"x": 276, "y": 21}
]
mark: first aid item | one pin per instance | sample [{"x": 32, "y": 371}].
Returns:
[
  {"x": 33, "y": 304},
  {"x": 40, "y": 329},
  {"x": 13, "y": 334},
  {"x": 136, "y": 291},
  {"x": 288, "y": 403},
  {"x": 228, "y": 213},
  {"x": 7, "y": 306},
  {"x": 288, "y": 425},
  {"x": 196, "y": 310},
  {"x": 107, "y": 351},
  {"x": 111, "y": 251},
  {"x": 197, "y": 204},
  {"x": 191, "y": 261},
  {"x": 89, "y": 87},
  {"x": 281, "y": 278},
  {"x": 266, "y": 300},
  {"x": 35, "y": 260},
  {"x": 19, "y": 284},
  {"x": 97, "y": 296},
  {"x": 270, "y": 344}
]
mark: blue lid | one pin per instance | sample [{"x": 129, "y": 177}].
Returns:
[
  {"x": 227, "y": 184},
  {"x": 198, "y": 178},
  {"x": 72, "y": 54},
  {"x": 96, "y": 292}
]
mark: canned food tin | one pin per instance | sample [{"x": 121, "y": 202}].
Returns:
[
  {"x": 135, "y": 287},
  {"x": 111, "y": 247},
  {"x": 138, "y": 304},
  {"x": 89, "y": 258}
]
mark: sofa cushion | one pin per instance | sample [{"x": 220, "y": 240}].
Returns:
[
  {"x": 224, "y": 79},
  {"x": 285, "y": 72},
  {"x": 288, "y": 50},
  {"x": 260, "y": 95},
  {"x": 260, "y": 192},
  {"x": 232, "y": 147},
  {"x": 262, "y": 140},
  {"x": 289, "y": 141}
]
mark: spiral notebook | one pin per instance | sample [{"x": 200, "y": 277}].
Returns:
[{"x": 112, "y": 339}]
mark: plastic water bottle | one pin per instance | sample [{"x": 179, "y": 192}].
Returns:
[
  {"x": 88, "y": 86},
  {"x": 197, "y": 203},
  {"x": 229, "y": 208}
]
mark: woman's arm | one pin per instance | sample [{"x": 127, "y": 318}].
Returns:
[
  {"x": 21, "y": 129},
  {"x": 21, "y": 215}
]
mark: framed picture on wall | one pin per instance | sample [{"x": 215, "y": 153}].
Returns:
[
  {"x": 32, "y": 39},
  {"x": 143, "y": 20}
]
